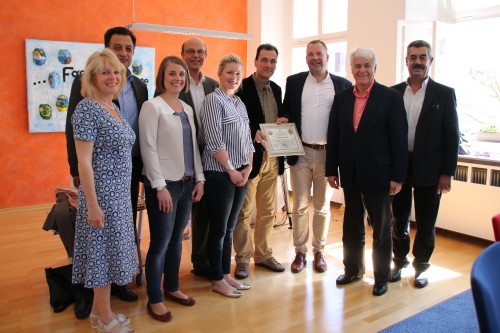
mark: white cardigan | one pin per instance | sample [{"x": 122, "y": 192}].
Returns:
[{"x": 160, "y": 138}]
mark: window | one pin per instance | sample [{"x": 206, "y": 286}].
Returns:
[
  {"x": 466, "y": 58},
  {"x": 320, "y": 19}
]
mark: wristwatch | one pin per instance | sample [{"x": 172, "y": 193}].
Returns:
[{"x": 229, "y": 165}]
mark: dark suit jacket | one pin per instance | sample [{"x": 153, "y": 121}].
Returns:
[
  {"x": 250, "y": 97},
  {"x": 141, "y": 95},
  {"x": 435, "y": 150},
  {"x": 209, "y": 86},
  {"x": 378, "y": 152},
  {"x": 292, "y": 104}
]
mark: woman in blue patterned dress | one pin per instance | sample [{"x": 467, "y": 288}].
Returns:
[{"x": 104, "y": 238}]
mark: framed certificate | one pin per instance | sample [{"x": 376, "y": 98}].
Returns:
[{"x": 282, "y": 139}]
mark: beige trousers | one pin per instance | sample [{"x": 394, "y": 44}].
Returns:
[
  {"x": 261, "y": 189},
  {"x": 310, "y": 170}
]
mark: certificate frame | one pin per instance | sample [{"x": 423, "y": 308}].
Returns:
[{"x": 282, "y": 139}]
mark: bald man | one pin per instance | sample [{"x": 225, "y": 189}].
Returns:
[{"x": 194, "y": 53}]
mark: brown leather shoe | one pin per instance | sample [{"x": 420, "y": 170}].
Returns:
[
  {"x": 182, "y": 301},
  {"x": 298, "y": 263},
  {"x": 319, "y": 262},
  {"x": 167, "y": 316}
]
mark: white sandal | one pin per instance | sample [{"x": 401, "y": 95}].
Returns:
[
  {"x": 107, "y": 328},
  {"x": 122, "y": 319}
]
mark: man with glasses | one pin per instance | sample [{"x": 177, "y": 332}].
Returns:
[
  {"x": 433, "y": 139},
  {"x": 262, "y": 98},
  {"x": 194, "y": 53}
]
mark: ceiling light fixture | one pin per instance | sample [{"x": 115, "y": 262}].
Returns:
[{"x": 168, "y": 29}]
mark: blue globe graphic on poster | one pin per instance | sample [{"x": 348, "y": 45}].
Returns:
[
  {"x": 64, "y": 57},
  {"x": 54, "y": 80},
  {"x": 39, "y": 56},
  {"x": 62, "y": 103},
  {"x": 137, "y": 67}
]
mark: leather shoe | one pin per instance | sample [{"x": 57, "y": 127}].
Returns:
[
  {"x": 124, "y": 293},
  {"x": 319, "y": 262},
  {"x": 167, "y": 316},
  {"x": 271, "y": 264},
  {"x": 395, "y": 274},
  {"x": 379, "y": 289},
  {"x": 241, "y": 271},
  {"x": 182, "y": 301},
  {"x": 298, "y": 263},
  {"x": 83, "y": 306},
  {"x": 346, "y": 279},
  {"x": 421, "y": 279}
]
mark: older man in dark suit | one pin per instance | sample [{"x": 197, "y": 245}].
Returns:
[
  {"x": 433, "y": 139},
  {"x": 367, "y": 146},
  {"x": 307, "y": 103}
]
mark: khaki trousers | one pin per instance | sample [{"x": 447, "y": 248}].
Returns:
[
  {"x": 261, "y": 189},
  {"x": 310, "y": 170}
]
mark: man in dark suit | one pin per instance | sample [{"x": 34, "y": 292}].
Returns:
[
  {"x": 194, "y": 53},
  {"x": 262, "y": 99},
  {"x": 122, "y": 42},
  {"x": 433, "y": 139},
  {"x": 367, "y": 146},
  {"x": 307, "y": 103}
]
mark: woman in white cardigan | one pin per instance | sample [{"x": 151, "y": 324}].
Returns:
[{"x": 174, "y": 179}]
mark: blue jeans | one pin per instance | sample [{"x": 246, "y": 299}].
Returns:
[
  {"x": 166, "y": 229},
  {"x": 224, "y": 202}
]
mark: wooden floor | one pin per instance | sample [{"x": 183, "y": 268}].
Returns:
[{"x": 278, "y": 302}]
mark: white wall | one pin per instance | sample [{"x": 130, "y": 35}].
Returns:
[{"x": 267, "y": 22}]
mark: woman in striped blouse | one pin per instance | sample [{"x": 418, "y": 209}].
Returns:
[{"x": 227, "y": 162}]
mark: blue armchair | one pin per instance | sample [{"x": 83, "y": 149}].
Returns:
[{"x": 485, "y": 282}]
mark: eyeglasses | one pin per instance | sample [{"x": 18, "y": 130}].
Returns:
[{"x": 191, "y": 52}]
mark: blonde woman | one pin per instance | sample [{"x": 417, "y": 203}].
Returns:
[
  {"x": 227, "y": 161},
  {"x": 104, "y": 237}
]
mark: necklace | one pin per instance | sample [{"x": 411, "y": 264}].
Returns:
[{"x": 106, "y": 104}]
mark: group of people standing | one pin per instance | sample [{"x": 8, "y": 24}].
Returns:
[{"x": 199, "y": 150}]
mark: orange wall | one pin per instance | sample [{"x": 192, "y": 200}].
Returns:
[{"x": 33, "y": 164}]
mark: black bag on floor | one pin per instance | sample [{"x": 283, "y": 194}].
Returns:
[{"x": 59, "y": 281}]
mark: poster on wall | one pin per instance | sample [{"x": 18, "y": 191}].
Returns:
[{"x": 51, "y": 67}]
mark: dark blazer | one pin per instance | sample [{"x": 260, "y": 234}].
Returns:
[
  {"x": 292, "y": 104},
  {"x": 209, "y": 86},
  {"x": 141, "y": 95},
  {"x": 250, "y": 97},
  {"x": 435, "y": 150},
  {"x": 378, "y": 152}
]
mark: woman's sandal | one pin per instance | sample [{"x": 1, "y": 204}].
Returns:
[
  {"x": 122, "y": 319},
  {"x": 108, "y": 328}
]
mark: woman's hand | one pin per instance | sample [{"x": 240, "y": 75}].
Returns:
[
  {"x": 164, "y": 201},
  {"x": 235, "y": 176},
  {"x": 96, "y": 217},
  {"x": 197, "y": 192},
  {"x": 245, "y": 173}
]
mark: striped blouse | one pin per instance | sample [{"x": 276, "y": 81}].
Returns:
[{"x": 225, "y": 125}]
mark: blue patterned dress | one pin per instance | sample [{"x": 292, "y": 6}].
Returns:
[{"x": 104, "y": 256}]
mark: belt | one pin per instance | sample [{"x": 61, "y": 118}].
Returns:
[
  {"x": 314, "y": 146},
  {"x": 187, "y": 178}
]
